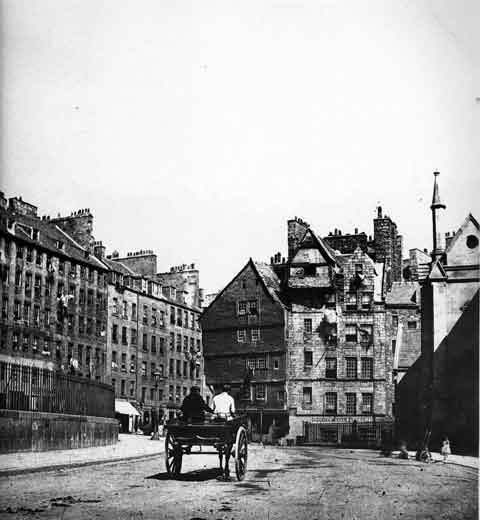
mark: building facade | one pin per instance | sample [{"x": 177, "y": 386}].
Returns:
[
  {"x": 245, "y": 345},
  {"x": 53, "y": 295},
  {"x": 322, "y": 314},
  {"x": 440, "y": 390}
]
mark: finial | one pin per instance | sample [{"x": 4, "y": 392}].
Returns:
[{"x": 436, "y": 202}]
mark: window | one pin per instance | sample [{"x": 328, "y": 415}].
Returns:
[
  {"x": 154, "y": 344},
  {"x": 61, "y": 263},
  {"x": 82, "y": 300},
  {"x": 358, "y": 268},
  {"x": 154, "y": 317},
  {"x": 114, "y": 358},
  {"x": 25, "y": 343},
  {"x": 162, "y": 346},
  {"x": 133, "y": 336},
  {"x": 28, "y": 282},
  {"x": 351, "y": 302},
  {"x": 185, "y": 343},
  {"x": 366, "y": 334},
  {"x": 16, "y": 310},
  {"x": 172, "y": 315},
  {"x": 132, "y": 388},
  {"x": 179, "y": 317},
  {"x": 241, "y": 335},
  {"x": 162, "y": 318},
  {"x": 5, "y": 308},
  {"x": 18, "y": 279},
  {"x": 170, "y": 393},
  {"x": 114, "y": 333},
  {"x": 351, "y": 368},
  {"x": 124, "y": 335},
  {"x": 253, "y": 308},
  {"x": 179, "y": 342},
  {"x": 411, "y": 324},
  {"x": 134, "y": 311},
  {"x": 260, "y": 392},
  {"x": 170, "y": 368},
  {"x": 276, "y": 364},
  {"x": 351, "y": 333},
  {"x": 177, "y": 393},
  {"x": 331, "y": 368},
  {"x": 280, "y": 395},
  {"x": 367, "y": 368},
  {"x": 395, "y": 320},
  {"x": 73, "y": 270},
  {"x": 331, "y": 403},
  {"x": 351, "y": 404},
  {"x": 307, "y": 325},
  {"x": 367, "y": 403},
  {"x": 257, "y": 363},
  {"x": 122, "y": 387},
  {"x": 307, "y": 396},
  {"x": 125, "y": 310},
  {"x": 366, "y": 299},
  {"x": 308, "y": 358},
  {"x": 185, "y": 319},
  {"x": 34, "y": 343},
  {"x": 145, "y": 314},
  {"x": 179, "y": 367},
  {"x": 153, "y": 369},
  {"x": 144, "y": 368},
  {"x": 38, "y": 259},
  {"x": 255, "y": 335},
  {"x": 145, "y": 342},
  {"x": 26, "y": 311},
  {"x": 394, "y": 345},
  {"x": 91, "y": 275},
  {"x": 172, "y": 341},
  {"x": 19, "y": 252},
  {"x": 185, "y": 369},
  {"x": 152, "y": 394}
]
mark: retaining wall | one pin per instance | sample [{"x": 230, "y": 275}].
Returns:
[{"x": 38, "y": 431}]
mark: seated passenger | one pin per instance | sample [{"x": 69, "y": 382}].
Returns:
[
  {"x": 193, "y": 407},
  {"x": 224, "y": 405}
]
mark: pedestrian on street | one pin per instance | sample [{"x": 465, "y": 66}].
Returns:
[{"x": 446, "y": 451}]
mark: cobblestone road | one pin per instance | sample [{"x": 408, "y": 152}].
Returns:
[{"x": 282, "y": 483}]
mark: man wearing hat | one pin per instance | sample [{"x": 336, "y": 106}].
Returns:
[{"x": 194, "y": 407}]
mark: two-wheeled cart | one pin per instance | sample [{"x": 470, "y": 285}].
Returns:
[{"x": 228, "y": 438}]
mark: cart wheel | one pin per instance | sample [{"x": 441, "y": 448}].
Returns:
[
  {"x": 241, "y": 453},
  {"x": 173, "y": 456}
]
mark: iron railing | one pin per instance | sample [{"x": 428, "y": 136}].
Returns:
[
  {"x": 28, "y": 388},
  {"x": 363, "y": 433}
]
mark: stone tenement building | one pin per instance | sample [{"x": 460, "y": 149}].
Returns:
[
  {"x": 154, "y": 347},
  {"x": 440, "y": 390},
  {"x": 386, "y": 246},
  {"x": 321, "y": 314},
  {"x": 53, "y": 295}
]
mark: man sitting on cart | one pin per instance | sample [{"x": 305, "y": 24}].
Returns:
[
  {"x": 194, "y": 407},
  {"x": 224, "y": 404}
]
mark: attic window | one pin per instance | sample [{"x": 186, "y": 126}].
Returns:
[
  {"x": 35, "y": 234},
  {"x": 472, "y": 241},
  {"x": 60, "y": 245}
]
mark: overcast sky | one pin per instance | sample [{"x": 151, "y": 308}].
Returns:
[{"x": 198, "y": 128}]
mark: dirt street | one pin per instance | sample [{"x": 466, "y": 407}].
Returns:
[{"x": 281, "y": 483}]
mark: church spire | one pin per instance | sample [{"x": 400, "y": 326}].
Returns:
[{"x": 438, "y": 237}]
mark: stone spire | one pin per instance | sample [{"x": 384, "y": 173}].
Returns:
[{"x": 438, "y": 237}]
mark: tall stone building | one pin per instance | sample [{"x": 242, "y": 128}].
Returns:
[
  {"x": 53, "y": 295},
  {"x": 440, "y": 390},
  {"x": 323, "y": 314}
]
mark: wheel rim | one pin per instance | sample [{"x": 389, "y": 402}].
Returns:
[
  {"x": 173, "y": 456},
  {"x": 241, "y": 454}
]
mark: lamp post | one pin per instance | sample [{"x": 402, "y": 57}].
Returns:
[{"x": 155, "y": 415}]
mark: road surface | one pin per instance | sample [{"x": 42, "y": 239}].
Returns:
[{"x": 281, "y": 483}]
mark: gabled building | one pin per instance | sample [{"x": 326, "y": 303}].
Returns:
[
  {"x": 244, "y": 335},
  {"x": 305, "y": 340},
  {"x": 440, "y": 390}
]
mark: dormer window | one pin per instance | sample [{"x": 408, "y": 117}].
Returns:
[{"x": 60, "y": 245}]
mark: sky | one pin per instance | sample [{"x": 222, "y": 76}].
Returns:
[{"x": 198, "y": 128}]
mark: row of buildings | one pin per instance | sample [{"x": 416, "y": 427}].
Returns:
[
  {"x": 67, "y": 305},
  {"x": 324, "y": 345}
]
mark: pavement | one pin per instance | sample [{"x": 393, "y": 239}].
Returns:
[{"x": 128, "y": 447}]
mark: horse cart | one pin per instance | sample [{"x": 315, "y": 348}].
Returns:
[{"x": 227, "y": 438}]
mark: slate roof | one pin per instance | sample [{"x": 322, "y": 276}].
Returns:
[
  {"x": 118, "y": 267},
  {"x": 269, "y": 278},
  {"x": 49, "y": 235},
  {"x": 403, "y": 293}
]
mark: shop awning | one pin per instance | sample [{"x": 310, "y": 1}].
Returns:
[{"x": 125, "y": 408}]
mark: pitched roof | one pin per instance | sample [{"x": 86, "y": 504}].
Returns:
[
  {"x": 324, "y": 248},
  {"x": 118, "y": 267},
  {"x": 469, "y": 218},
  {"x": 269, "y": 279},
  {"x": 48, "y": 237},
  {"x": 403, "y": 293}
]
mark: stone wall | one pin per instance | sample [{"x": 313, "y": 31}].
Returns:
[{"x": 36, "y": 431}]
